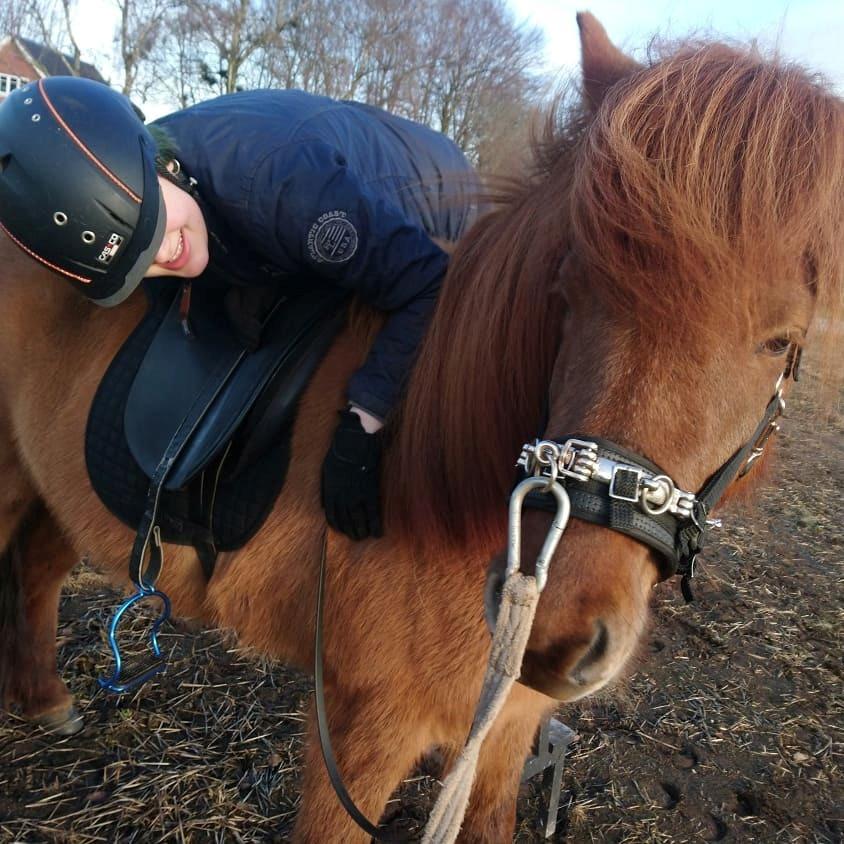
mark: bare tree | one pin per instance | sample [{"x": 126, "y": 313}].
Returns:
[
  {"x": 140, "y": 27},
  {"x": 231, "y": 35},
  {"x": 480, "y": 63},
  {"x": 12, "y": 17},
  {"x": 461, "y": 66},
  {"x": 48, "y": 22},
  {"x": 177, "y": 56},
  {"x": 457, "y": 65}
]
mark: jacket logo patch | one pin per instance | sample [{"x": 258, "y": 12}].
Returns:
[
  {"x": 110, "y": 249},
  {"x": 332, "y": 238}
]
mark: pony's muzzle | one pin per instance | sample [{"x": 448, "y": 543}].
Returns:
[{"x": 565, "y": 668}]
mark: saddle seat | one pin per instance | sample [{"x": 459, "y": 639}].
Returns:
[{"x": 189, "y": 431}]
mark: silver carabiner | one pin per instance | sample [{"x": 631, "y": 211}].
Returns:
[{"x": 555, "y": 532}]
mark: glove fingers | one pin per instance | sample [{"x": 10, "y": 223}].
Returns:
[
  {"x": 341, "y": 519},
  {"x": 358, "y": 520},
  {"x": 335, "y": 512},
  {"x": 350, "y": 480}
]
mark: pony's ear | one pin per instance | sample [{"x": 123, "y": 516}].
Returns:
[{"x": 603, "y": 63}]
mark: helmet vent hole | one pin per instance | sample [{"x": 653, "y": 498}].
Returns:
[
  {"x": 88, "y": 237},
  {"x": 4, "y": 161},
  {"x": 59, "y": 218},
  {"x": 36, "y": 117}
]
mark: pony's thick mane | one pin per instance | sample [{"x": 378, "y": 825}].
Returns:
[
  {"x": 707, "y": 179},
  {"x": 698, "y": 179},
  {"x": 483, "y": 371}
]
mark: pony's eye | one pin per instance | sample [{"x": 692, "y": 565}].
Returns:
[{"x": 775, "y": 346}]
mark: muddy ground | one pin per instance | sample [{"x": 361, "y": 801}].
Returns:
[{"x": 729, "y": 729}]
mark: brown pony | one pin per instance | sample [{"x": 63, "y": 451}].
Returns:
[{"x": 676, "y": 233}]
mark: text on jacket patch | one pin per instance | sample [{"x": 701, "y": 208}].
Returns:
[{"x": 332, "y": 238}]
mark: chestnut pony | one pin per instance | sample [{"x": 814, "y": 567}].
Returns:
[{"x": 676, "y": 233}]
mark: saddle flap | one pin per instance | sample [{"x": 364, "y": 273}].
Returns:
[
  {"x": 207, "y": 383},
  {"x": 178, "y": 379}
]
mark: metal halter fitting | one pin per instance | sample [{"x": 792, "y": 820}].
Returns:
[
  {"x": 579, "y": 460},
  {"x": 611, "y": 486}
]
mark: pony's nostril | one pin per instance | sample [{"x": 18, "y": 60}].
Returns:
[
  {"x": 589, "y": 665},
  {"x": 492, "y": 597}
]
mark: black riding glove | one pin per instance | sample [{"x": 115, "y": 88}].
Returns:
[{"x": 350, "y": 479}]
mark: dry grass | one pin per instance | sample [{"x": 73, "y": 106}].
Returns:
[{"x": 730, "y": 729}]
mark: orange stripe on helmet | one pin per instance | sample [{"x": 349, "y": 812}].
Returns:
[{"x": 82, "y": 146}]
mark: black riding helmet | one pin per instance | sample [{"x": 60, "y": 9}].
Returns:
[{"x": 78, "y": 184}]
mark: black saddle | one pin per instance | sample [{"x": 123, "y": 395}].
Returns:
[{"x": 189, "y": 433}]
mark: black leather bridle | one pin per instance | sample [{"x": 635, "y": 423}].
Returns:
[{"x": 612, "y": 486}]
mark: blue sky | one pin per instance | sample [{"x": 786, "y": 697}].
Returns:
[{"x": 808, "y": 31}]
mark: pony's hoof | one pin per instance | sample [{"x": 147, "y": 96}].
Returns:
[{"x": 61, "y": 722}]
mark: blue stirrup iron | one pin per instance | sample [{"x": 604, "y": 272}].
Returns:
[{"x": 126, "y": 677}]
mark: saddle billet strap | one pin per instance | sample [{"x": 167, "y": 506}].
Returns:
[{"x": 200, "y": 498}]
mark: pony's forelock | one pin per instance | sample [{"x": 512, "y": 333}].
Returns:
[{"x": 706, "y": 178}]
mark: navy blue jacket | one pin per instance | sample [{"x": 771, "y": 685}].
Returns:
[{"x": 297, "y": 187}]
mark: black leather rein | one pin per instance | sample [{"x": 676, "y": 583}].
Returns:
[{"x": 322, "y": 723}]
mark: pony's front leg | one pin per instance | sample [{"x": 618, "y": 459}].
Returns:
[
  {"x": 33, "y": 568},
  {"x": 491, "y": 814},
  {"x": 375, "y": 745}
]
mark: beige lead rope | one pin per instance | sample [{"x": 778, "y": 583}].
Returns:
[
  {"x": 515, "y": 619},
  {"x": 519, "y": 600}
]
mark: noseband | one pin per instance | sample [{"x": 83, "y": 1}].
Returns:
[{"x": 612, "y": 486}]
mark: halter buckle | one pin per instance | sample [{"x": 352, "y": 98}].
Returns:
[
  {"x": 659, "y": 493},
  {"x": 579, "y": 459}
]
